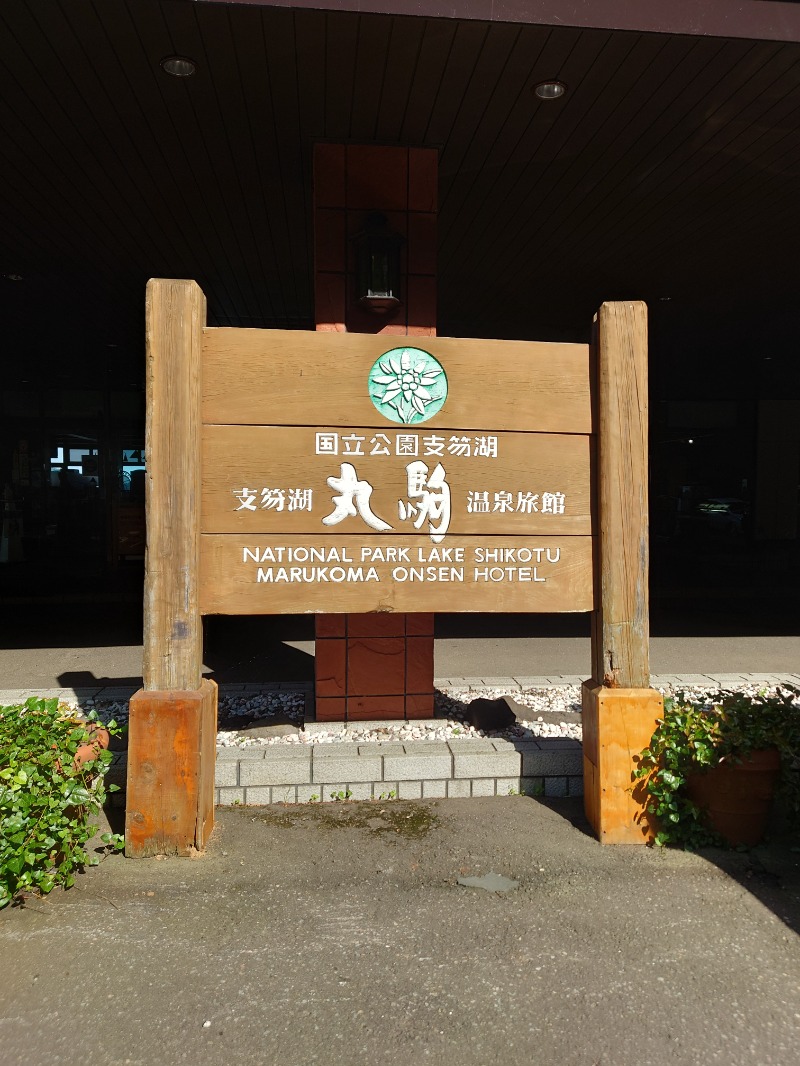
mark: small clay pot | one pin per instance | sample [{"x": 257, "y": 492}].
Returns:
[{"x": 99, "y": 741}]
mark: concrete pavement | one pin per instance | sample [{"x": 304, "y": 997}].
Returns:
[{"x": 340, "y": 935}]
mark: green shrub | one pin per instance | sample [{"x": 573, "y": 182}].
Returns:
[
  {"x": 46, "y": 801},
  {"x": 697, "y": 732}
]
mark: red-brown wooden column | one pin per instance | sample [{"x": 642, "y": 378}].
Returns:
[{"x": 375, "y": 665}]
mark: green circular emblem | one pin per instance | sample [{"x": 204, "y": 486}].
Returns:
[{"x": 407, "y": 385}]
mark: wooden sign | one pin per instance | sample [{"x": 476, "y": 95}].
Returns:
[
  {"x": 299, "y": 378},
  {"x": 290, "y": 471},
  {"x": 274, "y": 479},
  {"x": 364, "y": 574},
  {"x": 342, "y": 472}
]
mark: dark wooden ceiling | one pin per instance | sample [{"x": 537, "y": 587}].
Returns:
[{"x": 670, "y": 169}]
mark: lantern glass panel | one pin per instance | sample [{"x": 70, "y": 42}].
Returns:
[{"x": 378, "y": 265}]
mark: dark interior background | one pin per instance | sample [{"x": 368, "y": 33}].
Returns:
[{"x": 668, "y": 172}]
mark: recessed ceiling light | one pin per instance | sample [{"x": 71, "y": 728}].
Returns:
[
  {"x": 550, "y": 90},
  {"x": 178, "y": 66}
]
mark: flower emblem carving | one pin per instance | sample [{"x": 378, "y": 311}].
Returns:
[{"x": 407, "y": 385}]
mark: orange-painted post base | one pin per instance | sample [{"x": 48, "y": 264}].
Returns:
[
  {"x": 617, "y": 724},
  {"x": 171, "y": 754}
]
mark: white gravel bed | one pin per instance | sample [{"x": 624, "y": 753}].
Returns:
[
  {"x": 286, "y": 709},
  {"x": 450, "y": 725}
]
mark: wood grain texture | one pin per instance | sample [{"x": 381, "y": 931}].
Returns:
[
  {"x": 620, "y": 637},
  {"x": 301, "y": 378},
  {"x": 171, "y": 755},
  {"x": 229, "y": 582},
  {"x": 209, "y": 719},
  {"x": 173, "y": 650},
  {"x": 617, "y": 725},
  {"x": 283, "y": 457}
]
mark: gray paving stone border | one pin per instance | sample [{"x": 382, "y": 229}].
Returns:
[
  {"x": 399, "y": 770},
  {"x": 314, "y": 773}
]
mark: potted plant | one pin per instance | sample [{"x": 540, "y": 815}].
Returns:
[{"x": 713, "y": 762}]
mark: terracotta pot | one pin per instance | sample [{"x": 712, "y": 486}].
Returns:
[
  {"x": 737, "y": 796},
  {"x": 100, "y": 738}
]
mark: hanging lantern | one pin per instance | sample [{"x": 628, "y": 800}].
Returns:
[{"x": 377, "y": 251}]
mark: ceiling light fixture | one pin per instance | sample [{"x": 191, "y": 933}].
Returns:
[
  {"x": 178, "y": 66},
  {"x": 550, "y": 90}
]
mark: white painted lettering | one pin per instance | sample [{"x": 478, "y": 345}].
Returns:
[
  {"x": 316, "y": 574},
  {"x": 507, "y": 573},
  {"x": 511, "y": 555},
  {"x": 384, "y": 555},
  {"x": 428, "y": 573},
  {"x": 436, "y": 554},
  {"x": 296, "y": 555}
]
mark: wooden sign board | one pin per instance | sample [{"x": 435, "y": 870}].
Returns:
[
  {"x": 291, "y": 471},
  {"x": 344, "y": 473}
]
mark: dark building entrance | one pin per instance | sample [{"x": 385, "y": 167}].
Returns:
[{"x": 667, "y": 170}]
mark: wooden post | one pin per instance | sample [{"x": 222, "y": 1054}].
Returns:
[
  {"x": 621, "y": 638},
  {"x": 619, "y": 706},
  {"x": 170, "y": 799},
  {"x": 173, "y": 640},
  {"x": 617, "y": 725},
  {"x": 172, "y": 747}
]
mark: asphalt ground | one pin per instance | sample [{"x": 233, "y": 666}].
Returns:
[{"x": 340, "y": 935}]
